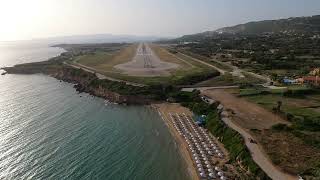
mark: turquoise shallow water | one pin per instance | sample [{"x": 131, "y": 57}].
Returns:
[{"x": 47, "y": 131}]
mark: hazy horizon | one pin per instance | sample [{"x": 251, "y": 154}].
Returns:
[{"x": 34, "y": 19}]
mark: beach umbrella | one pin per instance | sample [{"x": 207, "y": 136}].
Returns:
[
  {"x": 223, "y": 178},
  {"x": 206, "y": 162},
  {"x": 212, "y": 175},
  {"x": 216, "y": 168},
  {"x": 199, "y": 165},
  {"x": 208, "y": 166},
  {"x": 210, "y": 170},
  {"x": 202, "y": 174},
  {"x": 220, "y": 173}
]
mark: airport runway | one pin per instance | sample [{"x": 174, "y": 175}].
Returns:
[{"x": 146, "y": 63}]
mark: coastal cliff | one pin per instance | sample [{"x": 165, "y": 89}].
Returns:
[{"x": 115, "y": 92}]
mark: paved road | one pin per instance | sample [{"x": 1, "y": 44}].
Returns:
[
  {"x": 208, "y": 88},
  {"x": 101, "y": 76},
  {"x": 235, "y": 70},
  {"x": 205, "y": 63},
  {"x": 185, "y": 61}
]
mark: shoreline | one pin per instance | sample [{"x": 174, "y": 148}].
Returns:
[
  {"x": 182, "y": 146},
  {"x": 219, "y": 164}
]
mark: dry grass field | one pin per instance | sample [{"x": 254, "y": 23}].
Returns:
[
  {"x": 166, "y": 56},
  {"x": 105, "y": 62},
  {"x": 288, "y": 152}
]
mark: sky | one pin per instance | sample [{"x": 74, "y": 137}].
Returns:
[{"x": 30, "y": 19}]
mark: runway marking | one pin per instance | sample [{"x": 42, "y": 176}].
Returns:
[{"x": 144, "y": 54}]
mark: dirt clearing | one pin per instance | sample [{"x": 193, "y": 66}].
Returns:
[{"x": 249, "y": 115}]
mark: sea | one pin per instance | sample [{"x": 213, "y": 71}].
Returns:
[{"x": 50, "y": 131}]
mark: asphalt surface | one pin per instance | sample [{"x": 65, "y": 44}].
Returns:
[{"x": 146, "y": 63}]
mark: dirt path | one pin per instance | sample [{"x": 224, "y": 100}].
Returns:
[
  {"x": 259, "y": 156},
  {"x": 248, "y": 116}
]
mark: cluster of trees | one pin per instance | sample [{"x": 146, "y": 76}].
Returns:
[{"x": 272, "y": 51}]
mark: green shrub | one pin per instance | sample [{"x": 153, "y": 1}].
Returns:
[
  {"x": 281, "y": 127},
  {"x": 234, "y": 143}
]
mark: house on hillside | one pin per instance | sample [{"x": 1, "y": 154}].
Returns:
[
  {"x": 289, "y": 81},
  {"x": 315, "y": 72},
  {"x": 312, "y": 80}
]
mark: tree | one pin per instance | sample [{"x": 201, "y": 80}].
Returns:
[
  {"x": 279, "y": 104},
  {"x": 274, "y": 76}
]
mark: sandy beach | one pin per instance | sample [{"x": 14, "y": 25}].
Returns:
[{"x": 164, "y": 109}]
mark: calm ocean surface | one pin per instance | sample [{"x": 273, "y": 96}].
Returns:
[{"x": 47, "y": 131}]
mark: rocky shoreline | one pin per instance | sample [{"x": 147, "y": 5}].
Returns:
[{"x": 84, "y": 82}]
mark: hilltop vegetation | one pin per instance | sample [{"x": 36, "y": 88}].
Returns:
[
  {"x": 305, "y": 25},
  {"x": 278, "y": 48},
  {"x": 295, "y": 24}
]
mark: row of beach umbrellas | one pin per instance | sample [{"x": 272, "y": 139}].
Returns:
[{"x": 200, "y": 144}]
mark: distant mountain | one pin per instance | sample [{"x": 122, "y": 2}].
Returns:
[
  {"x": 310, "y": 24},
  {"x": 296, "y": 24},
  {"x": 97, "y": 38}
]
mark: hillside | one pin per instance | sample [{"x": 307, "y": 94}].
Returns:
[{"x": 300, "y": 25}]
